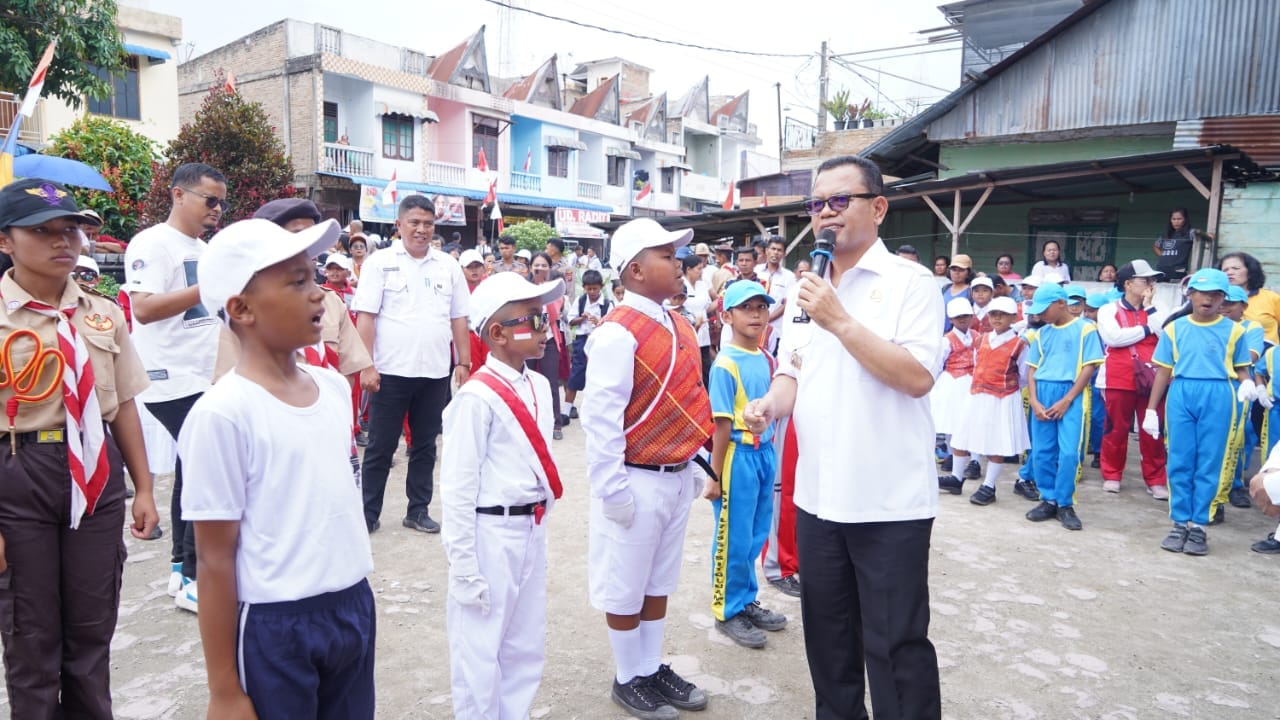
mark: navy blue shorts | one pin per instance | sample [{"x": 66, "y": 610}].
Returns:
[
  {"x": 578, "y": 364},
  {"x": 310, "y": 658}
]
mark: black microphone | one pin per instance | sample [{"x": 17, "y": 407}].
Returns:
[{"x": 821, "y": 256}]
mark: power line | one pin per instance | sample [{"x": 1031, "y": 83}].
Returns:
[{"x": 509, "y": 6}]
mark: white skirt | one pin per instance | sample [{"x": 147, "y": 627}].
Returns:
[
  {"x": 949, "y": 399},
  {"x": 995, "y": 426}
]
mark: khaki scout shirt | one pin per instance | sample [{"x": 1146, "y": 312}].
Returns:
[
  {"x": 336, "y": 330},
  {"x": 118, "y": 373}
]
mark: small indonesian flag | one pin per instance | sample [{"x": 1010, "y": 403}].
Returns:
[
  {"x": 764, "y": 200},
  {"x": 389, "y": 192},
  {"x": 37, "y": 80},
  {"x": 728, "y": 199},
  {"x": 230, "y": 84},
  {"x": 528, "y": 160},
  {"x": 644, "y": 191},
  {"x": 496, "y": 213},
  {"x": 482, "y": 163},
  {"x": 492, "y": 197}
]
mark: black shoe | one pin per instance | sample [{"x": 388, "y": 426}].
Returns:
[
  {"x": 951, "y": 484},
  {"x": 740, "y": 630},
  {"x": 1270, "y": 546},
  {"x": 973, "y": 470},
  {"x": 565, "y": 420},
  {"x": 983, "y": 495},
  {"x": 372, "y": 526},
  {"x": 573, "y": 413},
  {"x": 946, "y": 465},
  {"x": 421, "y": 522},
  {"x": 362, "y": 439},
  {"x": 1043, "y": 511},
  {"x": 1176, "y": 539},
  {"x": 676, "y": 690},
  {"x": 1067, "y": 516},
  {"x": 557, "y": 434},
  {"x": 1219, "y": 516},
  {"x": 640, "y": 698},
  {"x": 1239, "y": 497},
  {"x": 1096, "y": 463},
  {"x": 1197, "y": 542},
  {"x": 764, "y": 618},
  {"x": 1027, "y": 489},
  {"x": 789, "y": 585}
]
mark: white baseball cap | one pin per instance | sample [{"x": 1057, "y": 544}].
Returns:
[
  {"x": 241, "y": 249},
  {"x": 641, "y": 234},
  {"x": 983, "y": 281},
  {"x": 470, "y": 257},
  {"x": 959, "y": 306},
  {"x": 1003, "y": 304},
  {"x": 525, "y": 254},
  {"x": 88, "y": 263},
  {"x": 340, "y": 260},
  {"x": 1032, "y": 281},
  {"x": 501, "y": 288}
]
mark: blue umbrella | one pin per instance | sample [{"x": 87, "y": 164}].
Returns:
[{"x": 61, "y": 170}]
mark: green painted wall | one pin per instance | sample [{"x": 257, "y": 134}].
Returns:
[
  {"x": 961, "y": 159},
  {"x": 1250, "y": 222}
]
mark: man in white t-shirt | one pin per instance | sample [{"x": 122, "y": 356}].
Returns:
[
  {"x": 410, "y": 305},
  {"x": 176, "y": 336},
  {"x": 777, "y": 281}
]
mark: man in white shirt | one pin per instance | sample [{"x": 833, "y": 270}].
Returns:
[
  {"x": 410, "y": 305},
  {"x": 777, "y": 281},
  {"x": 865, "y": 497},
  {"x": 176, "y": 336}
]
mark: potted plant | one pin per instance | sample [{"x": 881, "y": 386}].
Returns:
[
  {"x": 871, "y": 115},
  {"x": 838, "y": 106}
]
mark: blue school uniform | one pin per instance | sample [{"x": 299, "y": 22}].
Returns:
[
  {"x": 1027, "y": 471},
  {"x": 744, "y": 511},
  {"x": 1266, "y": 369},
  {"x": 1097, "y": 414},
  {"x": 1246, "y": 435},
  {"x": 1059, "y": 353},
  {"x": 1200, "y": 410}
]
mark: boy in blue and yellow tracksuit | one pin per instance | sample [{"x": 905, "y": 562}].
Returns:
[
  {"x": 1062, "y": 358},
  {"x": 746, "y": 464},
  {"x": 1245, "y": 434},
  {"x": 1207, "y": 359}
]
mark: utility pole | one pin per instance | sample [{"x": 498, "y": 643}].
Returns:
[
  {"x": 778, "y": 88},
  {"x": 822, "y": 90}
]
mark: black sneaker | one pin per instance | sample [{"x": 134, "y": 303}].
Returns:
[
  {"x": 1067, "y": 516},
  {"x": 372, "y": 526},
  {"x": 946, "y": 465},
  {"x": 951, "y": 484},
  {"x": 639, "y": 697},
  {"x": 557, "y": 434},
  {"x": 789, "y": 585},
  {"x": 983, "y": 495},
  {"x": 1270, "y": 546},
  {"x": 1027, "y": 489},
  {"x": 573, "y": 413},
  {"x": 362, "y": 439},
  {"x": 421, "y": 522},
  {"x": 740, "y": 630},
  {"x": 676, "y": 690},
  {"x": 1239, "y": 497},
  {"x": 973, "y": 470},
  {"x": 1044, "y": 511},
  {"x": 1219, "y": 516},
  {"x": 1096, "y": 463},
  {"x": 763, "y": 618},
  {"x": 565, "y": 420},
  {"x": 1197, "y": 542},
  {"x": 1176, "y": 539}
]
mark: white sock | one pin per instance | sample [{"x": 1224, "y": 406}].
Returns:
[
  {"x": 651, "y": 632},
  {"x": 993, "y": 472},
  {"x": 628, "y": 653}
]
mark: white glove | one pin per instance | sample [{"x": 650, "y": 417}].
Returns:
[
  {"x": 1264, "y": 397},
  {"x": 1246, "y": 392},
  {"x": 622, "y": 511},
  {"x": 1151, "y": 424},
  {"x": 471, "y": 591}
]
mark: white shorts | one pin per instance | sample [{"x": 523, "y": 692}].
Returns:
[{"x": 627, "y": 564}]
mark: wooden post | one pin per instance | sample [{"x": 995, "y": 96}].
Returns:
[
  {"x": 1215, "y": 210},
  {"x": 955, "y": 226}
]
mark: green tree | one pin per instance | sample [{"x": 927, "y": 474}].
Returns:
[
  {"x": 531, "y": 235},
  {"x": 235, "y": 137},
  {"x": 125, "y": 159},
  {"x": 88, "y": 39}
]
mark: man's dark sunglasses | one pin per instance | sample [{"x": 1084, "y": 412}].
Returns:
[
  {"x": 838, "y": 203},
  {"x": 213, "y": 201},
  {"x": 86, "y": 276}
]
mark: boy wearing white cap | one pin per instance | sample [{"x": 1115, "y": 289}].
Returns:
[
  {"x": 497, "y": 483},
  {"x": 951, "y": 390},
  {"x": 275, "y": 572},
  {"x": 337, "y": 273},
  {"x": 981, "y": 290},
  {"x": 645, "y": 415}
]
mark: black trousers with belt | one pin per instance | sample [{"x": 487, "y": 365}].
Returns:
[
  {"x": 423, "y": 401},
  {"x": 865, "y": 602},
  {"x": 172, "y": 414}
]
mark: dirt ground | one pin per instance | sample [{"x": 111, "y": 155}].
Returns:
[{"x": 1030, "y": 621}]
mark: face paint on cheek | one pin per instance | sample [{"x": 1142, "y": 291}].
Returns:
[{"x": 522, "y": 336}]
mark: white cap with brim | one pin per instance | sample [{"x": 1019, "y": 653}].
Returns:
[
  {"x": 525, "y": 254},
  {"x": 983, "y": 281},
  {"x": 340, "y": 260},
  {"x": 639, "y": 235},
  {"x": 470, "y": 257},
  {"x": 241, "y": 249},
  {"x": 498, "y": 290},
  {"x": 88, "y": 263},
  {"x": 957, "y": 307},
  {"x": 1003, "y": 304}
]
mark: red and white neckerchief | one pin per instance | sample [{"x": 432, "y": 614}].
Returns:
[
  {"x": 321, "y": 355},
  {"x": 86, "y": 439}
]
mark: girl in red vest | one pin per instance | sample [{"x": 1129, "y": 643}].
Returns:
[
  {"x": 995, "y": 424},
  {"x": 952, "y": 386}
]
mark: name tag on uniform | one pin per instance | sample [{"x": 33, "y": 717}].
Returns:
[
  {"x": 50, "y": 436},
  {"x": 158, "y": 374}
]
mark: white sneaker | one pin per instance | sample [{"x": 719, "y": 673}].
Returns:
[
  {"x": 1111, "y": 486},
  {"x": 175, "y": 579},
  {"x": 1159, "y": 492},
  {"x": 187, "y": 598}
]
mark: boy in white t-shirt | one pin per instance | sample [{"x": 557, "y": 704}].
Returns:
[
  {"x": 497, "y": 482},
  {"x": 287, "y": 618}
]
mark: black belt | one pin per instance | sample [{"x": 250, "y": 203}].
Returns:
[
  {"x": 660, "y": 468},
  {"x": 530, "y": 509},
  {"x": 43, "y": 437}
]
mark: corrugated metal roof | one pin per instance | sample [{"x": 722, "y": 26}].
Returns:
[
  {"x": 1259, "y": 136},
  {"x": 1134, "y": 62}
]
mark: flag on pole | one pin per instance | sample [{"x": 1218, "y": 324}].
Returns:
[
  {"x": 492, "y": 197},
  {"x": 389, "y": 192},
  {"x": 10, "y": 146},
  {"x": 528, "y": 159},
  {"x": 644, "y": 191},
  {"x": 764, "y": 199},
  {"x": 482, "y": 163},
  {"x": 728, "y": 199},
  {"x": 230, "y": 84},
  {"x": 496, "y": 215}
]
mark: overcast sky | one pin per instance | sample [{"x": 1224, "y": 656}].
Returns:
[{"x": 518, "y": 42}]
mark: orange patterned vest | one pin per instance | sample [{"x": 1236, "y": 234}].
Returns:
[
  {"x": 997, "y": 370},
  {"x": 960, "y": 360},
  {"x": 667, "y": 423}
]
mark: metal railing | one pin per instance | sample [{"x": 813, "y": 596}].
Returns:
[
  {"x": 526, "y": 182},
  {"x": 590, "y": 190},
  {"x": 446, "y": 174},
  {"x": 348, "y": 160},
  {"x": 32, "y": 132}
]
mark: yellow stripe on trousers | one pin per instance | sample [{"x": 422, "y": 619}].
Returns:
[{"x": 720, "y": 561}]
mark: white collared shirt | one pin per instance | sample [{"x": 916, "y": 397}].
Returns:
[
  {"x": 611, "y": 351},
  {"x": 593, "y": 311},
  {"x": 865, "y": 449},
  {"x": 414, "y": 301},
  {"x": 778, "y": 284}
]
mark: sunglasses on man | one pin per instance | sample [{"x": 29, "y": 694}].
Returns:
[
  {"x": 837, "y": 203},
  {"x": 86, "y": 276},
  {"x": 210, "y": 201}
]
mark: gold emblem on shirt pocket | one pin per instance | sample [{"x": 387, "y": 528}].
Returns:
[{"x": 104, "y": 371}]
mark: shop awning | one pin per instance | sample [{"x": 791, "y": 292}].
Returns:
[
  {"x": 565, "y": 143},
  {"x": 417, "y": 112},
  {"x": 154, "y": 55},
  {"x": 613, "y": 151}
]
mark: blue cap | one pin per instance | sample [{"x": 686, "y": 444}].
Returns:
[
  {"x": 1235, "y": 293},
  {"x": 1209, "y": 280},
  {"x": 1076, "y": 293},
  {"x": 1045, "y": 296},
  {"x": 1096, "y": 300},
  {"x": 742, "y": 291},
  {"x": 683, "y": 252}
]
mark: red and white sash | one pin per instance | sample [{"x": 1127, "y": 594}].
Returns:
[{"x": 486, "y": 377}]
